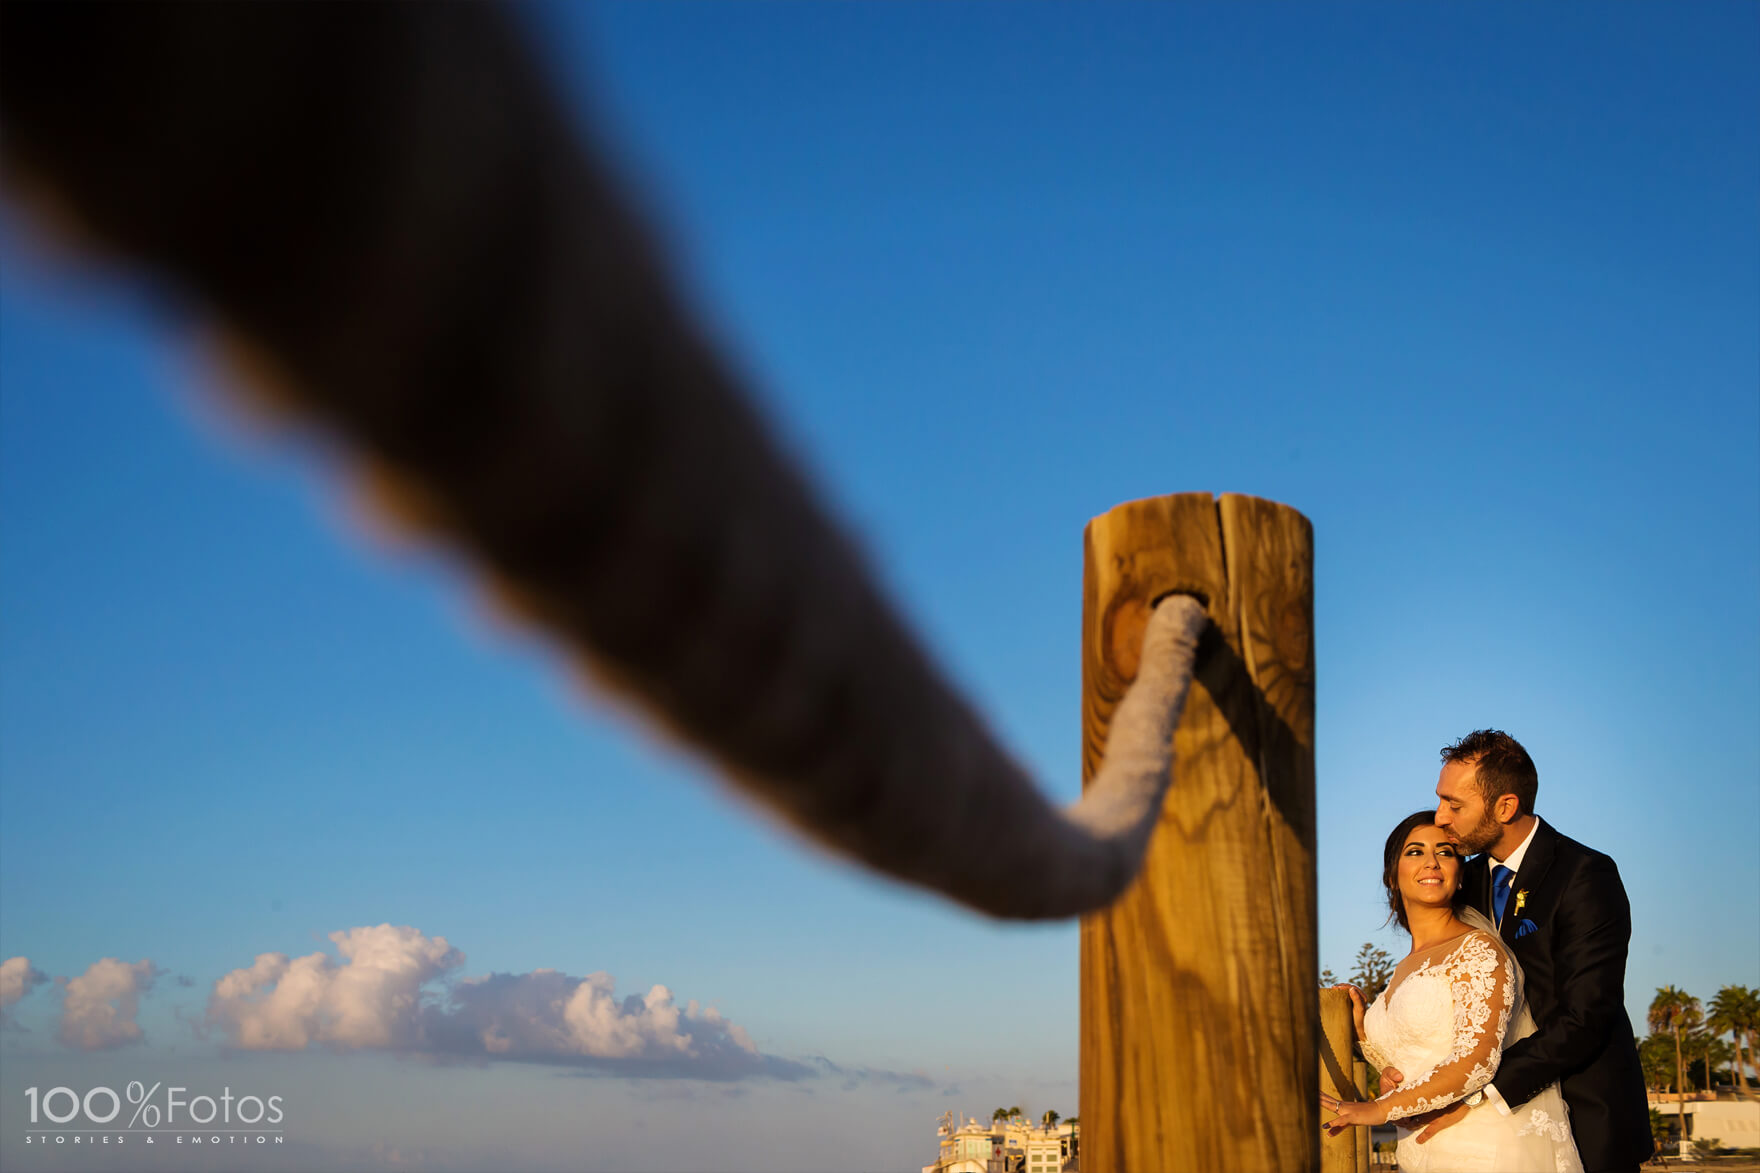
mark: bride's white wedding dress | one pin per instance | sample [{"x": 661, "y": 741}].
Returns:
[{"x": 1443, "y": 1022}]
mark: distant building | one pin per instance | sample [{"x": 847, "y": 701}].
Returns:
[
  {"x": 1043, "y": 1151},
  {"x": 967, "y": 1148},
  {"x": 1732, "y": 1121},
  {"x": 1005, "y": 1146}
]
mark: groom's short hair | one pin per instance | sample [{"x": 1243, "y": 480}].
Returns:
[{"x": 1501, "y": 765}]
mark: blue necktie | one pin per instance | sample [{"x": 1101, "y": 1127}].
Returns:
[{"x": 1500, "y": 881}]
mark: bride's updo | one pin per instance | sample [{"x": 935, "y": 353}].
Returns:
[{"x": 1390, "y": 866}]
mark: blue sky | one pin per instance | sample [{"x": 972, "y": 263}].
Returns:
[{"x": 1476, "y": 288}]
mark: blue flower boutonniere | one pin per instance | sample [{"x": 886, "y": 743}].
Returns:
[{"x": 1521, "y": 899}]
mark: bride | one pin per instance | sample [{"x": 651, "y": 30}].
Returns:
[{"x": 1447, "y": 1013}]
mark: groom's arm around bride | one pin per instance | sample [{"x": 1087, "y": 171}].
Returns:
[{"x": 1562, "y": 909}]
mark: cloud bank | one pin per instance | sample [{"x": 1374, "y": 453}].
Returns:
[
  {"x": 18, "y": 977},
  {"x": 393, "y": 989},
  {"x": 98, "y": 1008},
  {"x": 854, "y": 1077},
  {"x": 390, "y": 990},
  {"x": 370, "y": 999}
]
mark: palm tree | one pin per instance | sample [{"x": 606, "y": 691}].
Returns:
[
  {"x": 1050, "y": 1119},
  {"x": 1658, "y": 1127},
  {"x": 1749, "y": 1009},
  {"x": 1669, "y": 1011},
  {"x": 999, "y": 1114},
  {"x": 1736, "y": 1012},
  {"x": 1714, "y": 1052},
  {"x": 1692, "y": 1026},
  {"x": 1656, "y": 1056}
]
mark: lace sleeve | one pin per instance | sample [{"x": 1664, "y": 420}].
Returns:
[{"x": 1483, "y": 982}]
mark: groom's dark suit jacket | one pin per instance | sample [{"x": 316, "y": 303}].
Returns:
[{"x": 1574, "y": 963}]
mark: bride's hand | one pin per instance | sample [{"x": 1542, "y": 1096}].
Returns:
[
  {"x": 1352, "y": 1113},
  {"x": 1357, "y": 1008}
]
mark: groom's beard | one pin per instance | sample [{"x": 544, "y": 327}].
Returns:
[{"x": 1477, "y": 838}]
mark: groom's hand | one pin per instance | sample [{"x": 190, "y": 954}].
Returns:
[
  {"x": 1391, "y": 1078},
  {"x": 1435, "y": 1122}
]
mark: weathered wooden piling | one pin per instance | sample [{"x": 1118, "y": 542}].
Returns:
[
  {"x": 1198, "y": 1007},
  {"x": 1341, "y": 1075}
]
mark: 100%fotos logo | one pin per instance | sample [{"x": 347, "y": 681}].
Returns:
[{"x": 101, "y": 1105}]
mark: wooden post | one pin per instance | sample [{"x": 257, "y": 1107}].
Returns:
[
  {"x": 1346, "y": 1152},
  {"x": 1198, "y": 986},
  {"x": 1366, "y": 1148}
]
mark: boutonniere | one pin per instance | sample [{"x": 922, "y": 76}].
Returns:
[{"x": 1521, "y": 899}]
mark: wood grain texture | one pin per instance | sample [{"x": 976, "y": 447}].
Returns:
[
  {"x": 1348, "y": 1151},
  {"x": 1199, "y": 1020},
  {"x": 1365, "y": 1141}
]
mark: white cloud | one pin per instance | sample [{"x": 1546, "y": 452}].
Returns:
[
  {"x": 547, "y": 1016},
  {"x": 17, "y": 978},
  {"x": 368, "y": 999},
  {"x": 98, "y": 1007},
  {"x": 377, "y": 996}
]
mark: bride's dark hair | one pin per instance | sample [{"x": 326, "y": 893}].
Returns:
[{"x": 1390, "y": 866}]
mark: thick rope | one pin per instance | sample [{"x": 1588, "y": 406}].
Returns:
[{"x": 387, "y": 208}]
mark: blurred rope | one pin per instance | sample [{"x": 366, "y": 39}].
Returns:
[{"x": 387, "y": 210}]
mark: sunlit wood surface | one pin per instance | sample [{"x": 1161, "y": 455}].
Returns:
[
  {"x": 1198, "y": 1008},
  {"x": 1341, "y": 1075}
]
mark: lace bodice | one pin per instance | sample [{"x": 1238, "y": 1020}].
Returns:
[{"x": 1442, "y": 1025}]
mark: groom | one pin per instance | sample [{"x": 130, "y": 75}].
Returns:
[{"x": 1563, "y": 911}]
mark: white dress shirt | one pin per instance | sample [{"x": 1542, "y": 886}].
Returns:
[{"x": 1514, "y": 864}]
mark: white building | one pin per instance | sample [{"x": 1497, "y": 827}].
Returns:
[
  {"x": 1043, "y": 1150},
  {"x": 1735, "y": 1124},
  {"x": 966, "y": 1148},
  {"x": 1002, "y": 1146}
]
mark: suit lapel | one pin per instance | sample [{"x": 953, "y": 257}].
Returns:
[
  {"x": 1479, "y": 882},
  {"x": 1535, "y": 864}
]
